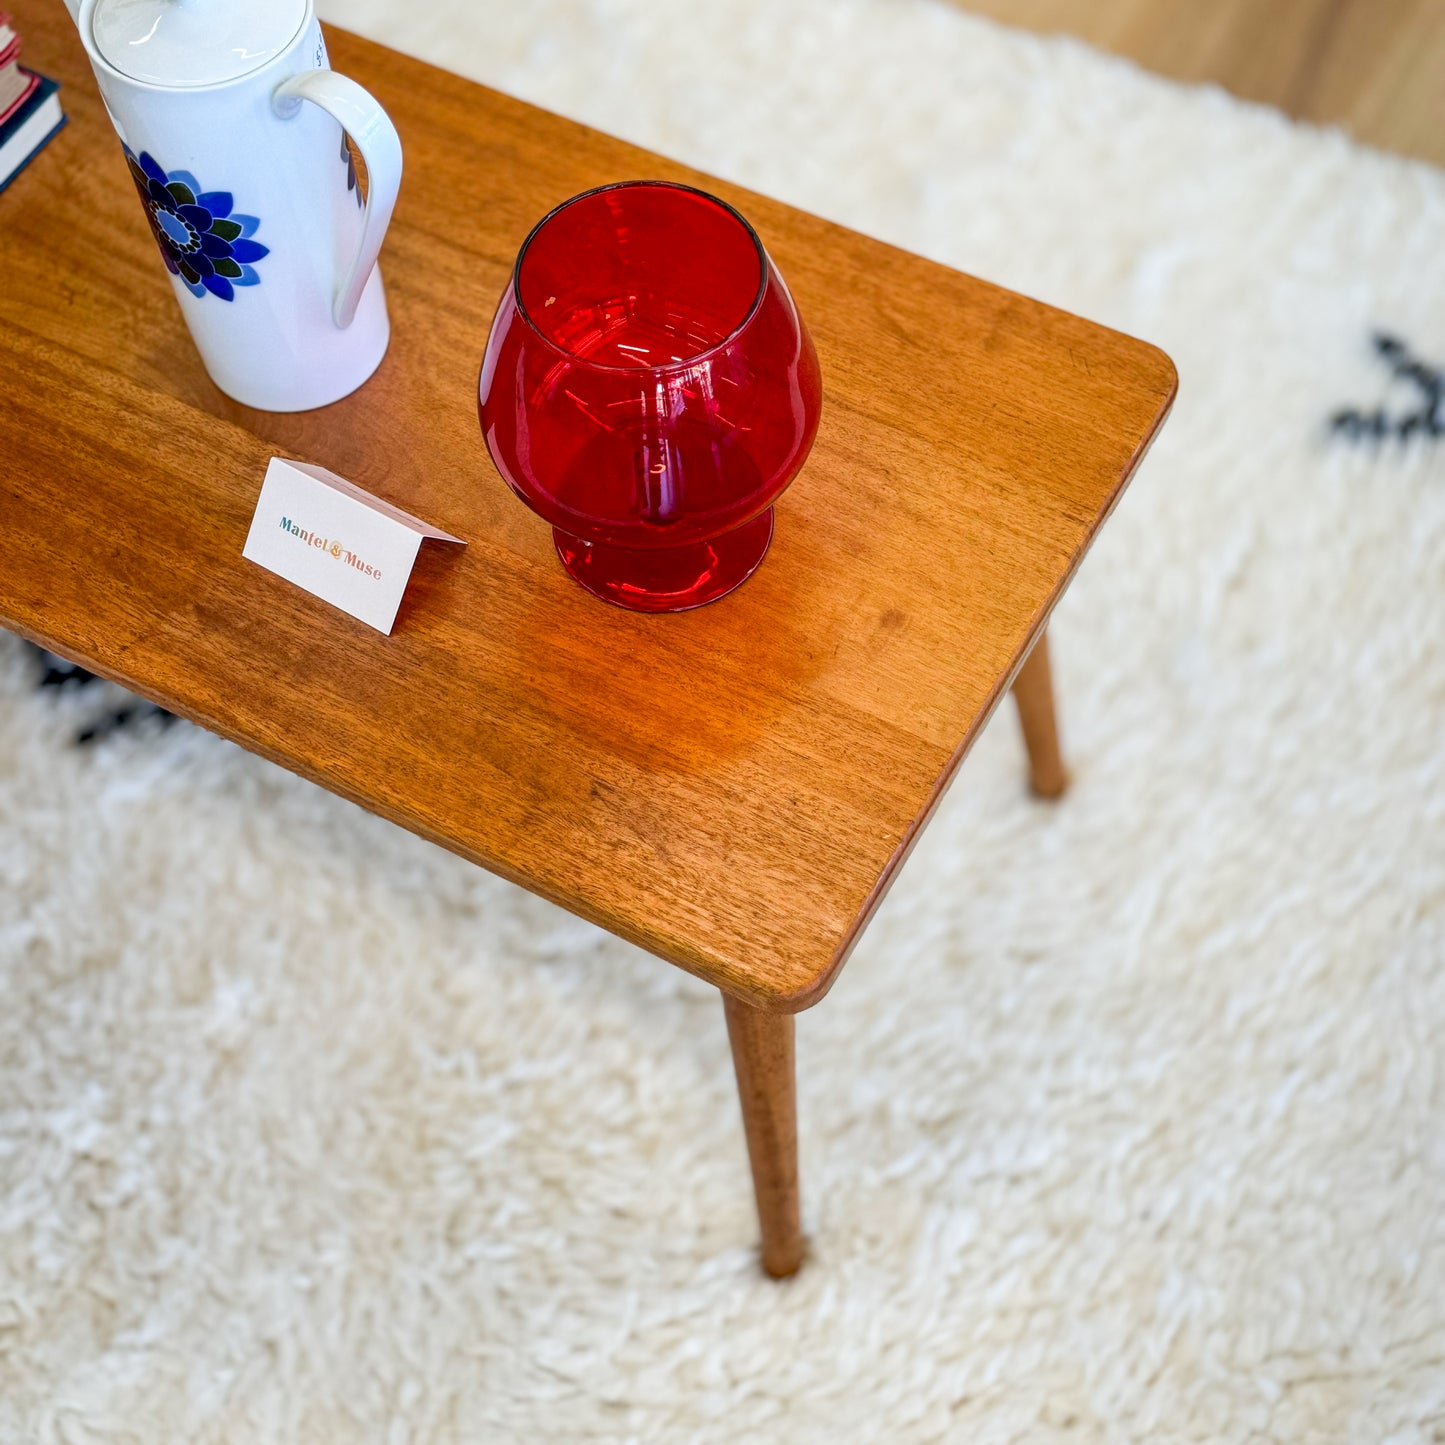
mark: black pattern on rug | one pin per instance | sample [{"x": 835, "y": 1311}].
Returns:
[
  {"x": 57, "y": 673},
  {"x": 1426, "y": 419}
]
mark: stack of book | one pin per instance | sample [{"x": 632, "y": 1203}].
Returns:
[{"x": 29, "y": 108}]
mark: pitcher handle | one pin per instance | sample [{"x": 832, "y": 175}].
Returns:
[{"x": 375, "y": 136}]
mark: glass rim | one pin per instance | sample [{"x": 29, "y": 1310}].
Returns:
[{"x": 697, "y": 358}]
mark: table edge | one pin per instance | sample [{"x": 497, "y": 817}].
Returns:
[{"x": 818, "y": 988}]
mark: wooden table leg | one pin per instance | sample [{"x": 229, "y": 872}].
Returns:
[
  {"x": 763, "y": 1058},
  {"x": 1034, "y": 693}
]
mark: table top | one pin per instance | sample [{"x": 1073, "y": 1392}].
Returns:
[{"x": 731, "y": 788}]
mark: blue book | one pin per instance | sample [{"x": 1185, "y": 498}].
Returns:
[{"x": 27, "y": 131}]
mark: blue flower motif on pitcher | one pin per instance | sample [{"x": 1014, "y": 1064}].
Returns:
[{"x": 202, "y": 238}]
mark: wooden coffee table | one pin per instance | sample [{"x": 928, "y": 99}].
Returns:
[{"x": 732, "y": 789}]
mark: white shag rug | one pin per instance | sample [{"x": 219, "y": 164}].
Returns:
[{"x": 1127, "y": 1120}]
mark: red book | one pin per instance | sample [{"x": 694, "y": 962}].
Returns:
[
  {"x": 16, "y": 85},
  {"x": 30, "y": 113}
]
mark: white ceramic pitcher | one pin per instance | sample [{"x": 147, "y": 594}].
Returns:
[{"x": 233, "y": 132}]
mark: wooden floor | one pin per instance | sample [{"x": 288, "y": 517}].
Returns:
[{"x": 1377, "y": 67}]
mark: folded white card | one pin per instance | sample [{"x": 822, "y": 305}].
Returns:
[{"x": 338, "y": 542}]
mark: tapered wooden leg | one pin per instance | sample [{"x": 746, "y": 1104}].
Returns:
[
  {"x": 763, "y": 1057},
  {"x": 1034, "y": 693}
]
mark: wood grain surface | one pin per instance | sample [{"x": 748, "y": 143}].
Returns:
[
  {"x": 1377, "y": 67},
  {"x": 731, "y": 788}
]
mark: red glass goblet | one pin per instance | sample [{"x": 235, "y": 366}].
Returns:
[{"x": 649, "y": 389}]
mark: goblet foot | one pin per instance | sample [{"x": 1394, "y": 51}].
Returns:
[{"x": 667, "y": 579}]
